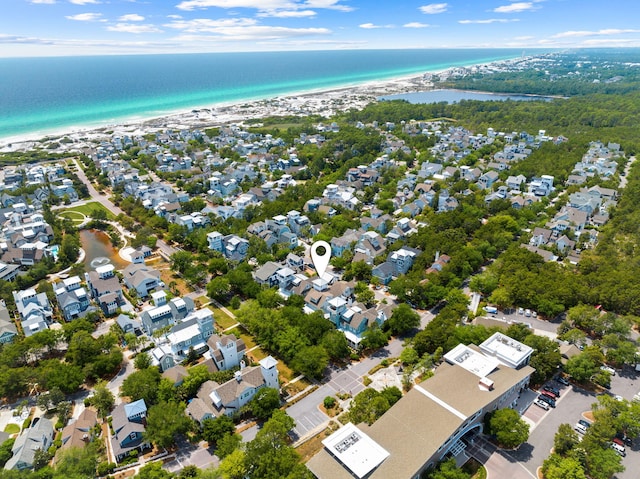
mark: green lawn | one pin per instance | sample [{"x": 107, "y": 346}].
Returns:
[
  {"x": 74, "y": 216},
  {"x": 223, "y": 320},
  {"x": 12, "y": 428},
  {"x": 88, "y": 209}
]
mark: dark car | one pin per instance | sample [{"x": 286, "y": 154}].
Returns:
[
  {"x": 552, "y": 390},
  {"x": 584, "y": 423},
  {"x": 549, "y": 400},
  {"x": 622, "y": 438},
  {"x": 549, "y": 395},
  {"x": 562, "y": 380}
]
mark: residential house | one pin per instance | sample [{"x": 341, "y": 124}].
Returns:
[
  {"x": 384, "y": 272},
  {"x": 232, "y": 247},
  {"x": 128, "y": 422},
  {"x": 156, "y": 318},
  {"x": 72, "y": 298},
  {"x": 80, "y": 432},
  {"x": 403, "y": 259},
  {"x": 370, "y": 244},
  {"x": 487, "y": 180},
  {"x": 37, "y": 437},
  {"x": 540, "y": 236},
  {"x": 214, "y": 400},
  {"x": 191, "y": 333},
  {"x": 225, "y": 351},
  {"x": 141, "y": 278},
  {"x": 34, "y": 310},
  {"x": 105, "y": 288},
  {"x": 266, "y": 274},
  {"x": 344, "y": 243}
]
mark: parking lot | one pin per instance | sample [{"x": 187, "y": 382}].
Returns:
[{"x": 570, "y": 406}]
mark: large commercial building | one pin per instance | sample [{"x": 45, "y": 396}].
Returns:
[{"x": 435, "y": 420}]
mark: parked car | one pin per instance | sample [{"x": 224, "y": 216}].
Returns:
[
  {"x": 563, "y": 380},
  {"x": 548, "y": 394},
  {"x": 549, "y": 400},
  {"x": 609, "y": 369},
  {"x": 580, "y": 428},
  {"x": 623, "y": 439},
  {"x": 619, "y": 448},
  {"x": 584, "y": 423},
  {"x": 552, "y": 390},
  {"x": 520, "y": 311},
  {"x": 541, "y": 404}
]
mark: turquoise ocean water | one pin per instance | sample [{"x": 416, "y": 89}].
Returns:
[{"x": 42, "y": 95}]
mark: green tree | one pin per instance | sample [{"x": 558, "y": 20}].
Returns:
[
  {"x": 142, "y": 361},
  {"x": 269, "y": 457},
  {"x": 214, "y": 429},
  {"x": 565, "y": 439},
  {"x": 403, "y": 319},
  {"x": 233, "y": 466},
  {"x": 153, "y": 470},
  {"x": 367, "y": 406},
  {"x": 508, "y": 428},
  {"x": 374, "y": 338},
  {"x": 102, "y": 399},
  {"x": 447, "y": 470},
  {"x": 558, "y": 467},
  {"x": 227, "y": 444},
  {"x": 142, "y": 384},
  {"x": 164, "y": 422},
  {"x": 5, "y": 451},
  {"x": 77, "y": 462},
  {"x": 311, "y": 361},
  {"x": 335, "y": 344},
  {"x": 265, "y": 401}
]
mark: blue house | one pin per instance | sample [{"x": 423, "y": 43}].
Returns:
[{"x": 128, "y": 422}]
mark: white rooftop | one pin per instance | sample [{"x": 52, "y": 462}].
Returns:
[
  {"x": 107, "y": 268},
  {"x": 507, "y": 350},
  {"x": 357, "y": 451},
  {"x": 473, "y": 361}
]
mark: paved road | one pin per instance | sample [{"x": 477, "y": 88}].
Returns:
[{"x": 95, "y": 196}]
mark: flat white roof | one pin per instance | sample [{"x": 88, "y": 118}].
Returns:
[
  {"x": 473, "y": 361},
  {"x": 357, "y": 451},
  {"x": 507, "y": 350}
]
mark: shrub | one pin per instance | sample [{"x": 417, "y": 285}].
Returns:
[
  {"x": 366, "y": 380},
  {"x": 329, "y": 402}
]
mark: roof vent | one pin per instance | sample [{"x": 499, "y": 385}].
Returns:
[{"x": 486, "y": 383}]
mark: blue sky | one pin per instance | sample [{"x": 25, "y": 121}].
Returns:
[{"x": 81, "y": 27}]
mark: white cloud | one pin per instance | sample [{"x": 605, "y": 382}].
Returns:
[
  {"x": 85, "y": 17},
  {"x": 177, "y": 17},
  {"x": 434, "y": 8},
  {"x": 208, "y": 25},
  {"x": 288, "y": 14},
  {"x": 44, "y": 2},
  {"x": 416, "y": 25},
  {"x": 587, "y": 33},
  {"x": 84, "y": 2},
  {"x": 516, "y": 7},
  {"x": 264, "y": 5},
  {"x": 524, "y": 37},
  {"x": 26, "y": 40},
  {"x": 370, "y": 26},
  {"x": 488, "y": 21},
  {"x": 131, "y": 17},
  {"x": 133, "y": 28}
]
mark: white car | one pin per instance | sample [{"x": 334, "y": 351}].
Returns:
[
  {"x": 580, "y": 428},
  {"x": 609, "y": 369},
  {"x": 541, "y": 404}
]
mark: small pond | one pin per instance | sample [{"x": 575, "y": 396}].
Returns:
[{"x": 98, "y": 250}]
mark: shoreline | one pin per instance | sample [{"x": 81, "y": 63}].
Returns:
[{"x": 328, "y": 101}]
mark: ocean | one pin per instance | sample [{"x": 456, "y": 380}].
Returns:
[{"x": 50, "y": 94}]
